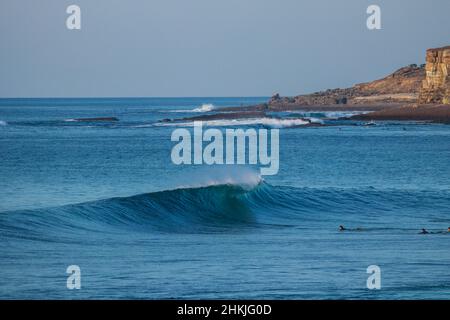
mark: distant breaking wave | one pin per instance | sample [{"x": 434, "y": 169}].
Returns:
[
  {"x": 332, "y": 115},
  {"x": 343, "y": 114},
  {"x": 3, "y": 123},
  {"x": 265, "y": 121},
  {"x": 204, "y": 108}
]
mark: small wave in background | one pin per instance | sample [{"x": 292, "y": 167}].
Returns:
[
  {"x": 265, "y": 121},
  {"x": 331, "y": 115},
  {"x": 207, "y": 107}
]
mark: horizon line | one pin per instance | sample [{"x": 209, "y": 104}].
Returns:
[{"x": 135, "y": 97}]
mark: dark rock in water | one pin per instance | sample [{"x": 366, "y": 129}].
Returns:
[
  {"x": 105, "y": 119},
  {"x": 258, "y": 107},
  {"x": 226, "y": 116},
  {"x": 165, "y": 120}
]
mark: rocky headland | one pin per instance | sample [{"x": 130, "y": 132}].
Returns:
[
  {"x": 399, "y": 87},
  {"x": 433, "y": 102},
  {"x": 414, "y": 92}
]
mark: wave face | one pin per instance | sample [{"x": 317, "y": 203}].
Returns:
[
  {"x": 203, "y": 209},
  {"x": 223, "y": 208},
  {"x": 173, "y": 240}
]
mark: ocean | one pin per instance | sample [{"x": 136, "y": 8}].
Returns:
[{"x": 106, "y": 197}]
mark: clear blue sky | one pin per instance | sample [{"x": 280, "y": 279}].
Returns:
[{"x": 209, "y": 47}]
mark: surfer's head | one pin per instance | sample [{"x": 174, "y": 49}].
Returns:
[
  {"x": 341, "y": 228},
  {"x": 448, "y": 230}
]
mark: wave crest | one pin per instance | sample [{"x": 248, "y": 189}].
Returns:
[
  {"x": 206, "y": 107},
  {"x": 221, "y": 208},
  {"x": 265, "y": 121}
]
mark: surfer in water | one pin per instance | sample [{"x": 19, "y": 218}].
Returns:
[
  {"x": 342, "y": 228},
  {"x": 424, "y": 231}
]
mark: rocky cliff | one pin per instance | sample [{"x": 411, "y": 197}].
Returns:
[{"x": 436, "y": 86}]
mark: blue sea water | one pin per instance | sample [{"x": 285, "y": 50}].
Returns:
[{"x": 106, "y": 197}]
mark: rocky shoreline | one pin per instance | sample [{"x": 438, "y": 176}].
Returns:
[
  {"x": 429, "y": 113},
  {"x": 412, "y": 93}
]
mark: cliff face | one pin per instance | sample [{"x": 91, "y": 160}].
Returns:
[{"x": 436, "y": 86}]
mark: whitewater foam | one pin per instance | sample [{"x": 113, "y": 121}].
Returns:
[
  {"x": 343, "y": 114},
  {"x": 204, "y": 108},
  {"x": 3, "y": 123},
  {"x": 246, "y": 178},
  {"x": 269, "y": 122},
  {"x": 328, "y": 114}
]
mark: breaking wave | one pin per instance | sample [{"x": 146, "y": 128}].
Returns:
[
  {"x": 204, "y": 108},
  {"x": 265, "y": 121},
  {"x": 221, "y": 208},
  {"x": 332, "y": 115}
]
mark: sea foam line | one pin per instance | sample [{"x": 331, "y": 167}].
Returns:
[
  {"x": 270, "y": 122},
  {"x": 206, "y": 107}
]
